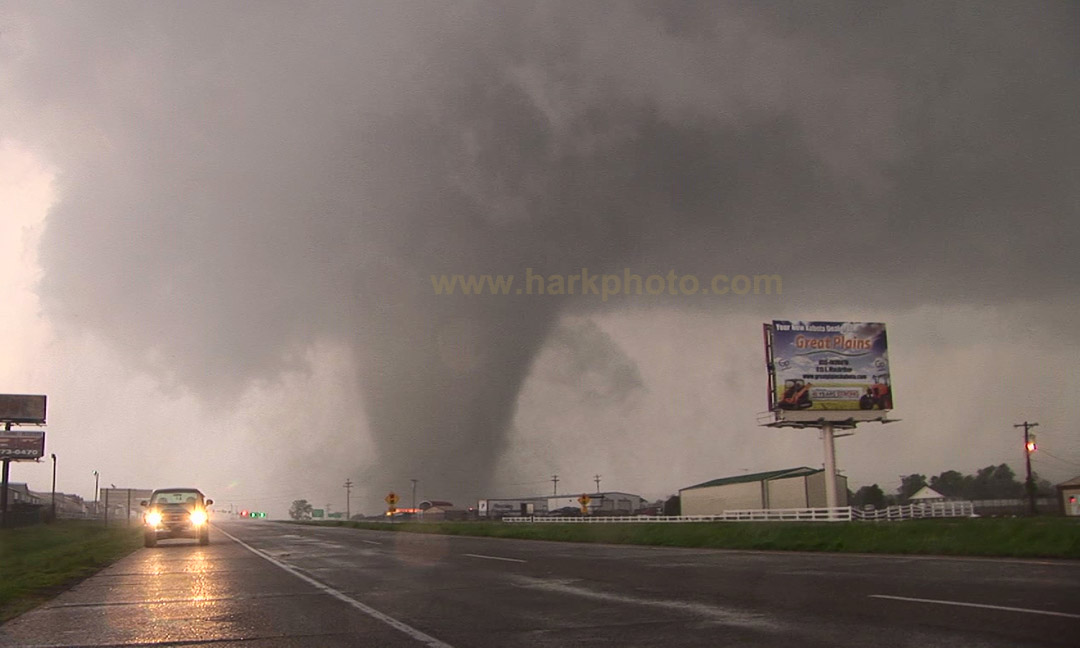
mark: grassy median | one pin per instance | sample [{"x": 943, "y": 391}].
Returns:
[
  {"x": 37, "y": 562},
  {"x": 1003, "y": 537}
]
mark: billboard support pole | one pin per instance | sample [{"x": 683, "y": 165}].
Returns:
[
  {"x": 4, "y": 485},
  {"x": 827, "y": 437}
]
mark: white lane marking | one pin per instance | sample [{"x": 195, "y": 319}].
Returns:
[
  {"x": 728, "y": 616},
  {"x": 517, "y": 560},
  {"x": 370, "y": 611},
  {"x": 976, "y": 605},
  {"x": 371, "y": 542}
]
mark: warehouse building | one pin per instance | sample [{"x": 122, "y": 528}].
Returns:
[
  {"x": 499, "y": 507},
  {"x": 606, "y": 503},
  {"x": 777, "y": 489}
]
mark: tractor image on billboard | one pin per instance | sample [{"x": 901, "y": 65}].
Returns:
[
  {"x": 878, "y": 395},
  {"x": 796, "y": 395}
]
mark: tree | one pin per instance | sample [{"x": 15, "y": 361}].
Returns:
[
  {"x": 949, "y": 483},
  {"x": 869, "y": 495},
  {"x": 300, "y": 510},
  {"x": 673, "y": 506},
  {"x": 1043, "y": 487},
  {"x": 910, "y": 484}
]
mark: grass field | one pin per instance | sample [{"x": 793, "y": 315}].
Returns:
[
  {"x": 1011, "y": 537},
  {"x": 39, "y": 561}
]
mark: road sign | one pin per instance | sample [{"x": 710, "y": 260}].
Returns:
[
  {"x": 316, "y": 513},
  {"x": 392, "y": 498},
  {"x": 22, "y": 444}
]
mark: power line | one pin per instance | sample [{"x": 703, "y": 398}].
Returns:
[{"x": 1057, "y": 458}]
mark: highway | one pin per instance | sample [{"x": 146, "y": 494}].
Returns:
[{"x": 268, "y": 584}]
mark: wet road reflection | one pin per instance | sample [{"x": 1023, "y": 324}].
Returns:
[{"x": 181, "y": 592}]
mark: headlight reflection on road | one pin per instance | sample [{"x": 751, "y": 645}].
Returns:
[{"x": 204, "y": 588}]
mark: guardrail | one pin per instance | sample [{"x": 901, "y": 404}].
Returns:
[{"x": 839, "y": 514}]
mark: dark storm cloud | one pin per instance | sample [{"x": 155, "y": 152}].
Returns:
[{"x": 238, "y": 182}]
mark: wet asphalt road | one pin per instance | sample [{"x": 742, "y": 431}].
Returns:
[{"x": 262, "y": 584}]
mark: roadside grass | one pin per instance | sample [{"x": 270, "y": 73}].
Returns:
[
  {"x": 999, "y": 537},
  {"x": 38, "y": 562}
]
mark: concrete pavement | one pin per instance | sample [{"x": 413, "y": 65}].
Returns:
[{"x": 272, "y": 584}]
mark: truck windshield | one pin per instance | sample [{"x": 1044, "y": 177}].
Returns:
[{"x": 188, "y": 498}]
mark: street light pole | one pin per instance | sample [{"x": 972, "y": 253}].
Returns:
[
  {"x": 53, "y": 455},
  {"x": 413, "y": 496}
]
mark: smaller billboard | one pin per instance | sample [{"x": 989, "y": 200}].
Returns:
[
  {"x": 22, "y": 444},
  {"x": 22, "y": 408}
]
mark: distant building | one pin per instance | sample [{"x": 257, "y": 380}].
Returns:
[
  {"x": 926, "y": 495},
  {"x": 67, "y": 505},
  {"x": 604, "y": 503},
  {"x": 497, "y": 507},
  {"x": 777, "y": 489},
  {"x": 1069, "y": 492},
  {"x": 426, "y": 504},
  {"x": 20, "y": 493}
]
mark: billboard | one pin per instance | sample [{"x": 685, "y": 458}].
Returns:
[
  {"x": 22, "y": 408},
  {"x": 22, "y": 444},
  {"x": 816, "y": 366}
]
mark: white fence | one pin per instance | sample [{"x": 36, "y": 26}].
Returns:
[
  {"x": 840, "y": 514},
  {"x": 917, "y": 511}
]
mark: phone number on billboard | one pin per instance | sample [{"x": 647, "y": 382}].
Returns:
[{"x": 21, "y": 452}]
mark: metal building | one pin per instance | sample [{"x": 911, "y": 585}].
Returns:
[{"x": 777, "y": 489}]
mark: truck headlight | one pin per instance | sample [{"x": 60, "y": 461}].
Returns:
[
  {"x": 153, "y": 518},
  {"x": 198, "y": 518}
]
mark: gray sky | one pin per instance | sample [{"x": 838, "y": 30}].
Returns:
[{"x": 223, "y": 221}]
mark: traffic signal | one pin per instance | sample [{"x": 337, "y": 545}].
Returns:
[
  {"x": 1031, "y": 445},
  {"x": 244, "y": 513}
]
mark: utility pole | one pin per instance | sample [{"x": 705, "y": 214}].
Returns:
[
  {"x": 95, "y": 493},
  {"x": 596, "y": 478},
  {"x": 413, "y": 496},
  {"x": 348, "y": 504},
  {"x": 555, "y": 482},
  {"x": 52, "y": 515},
  {"x": 1029, "y": 447}
]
